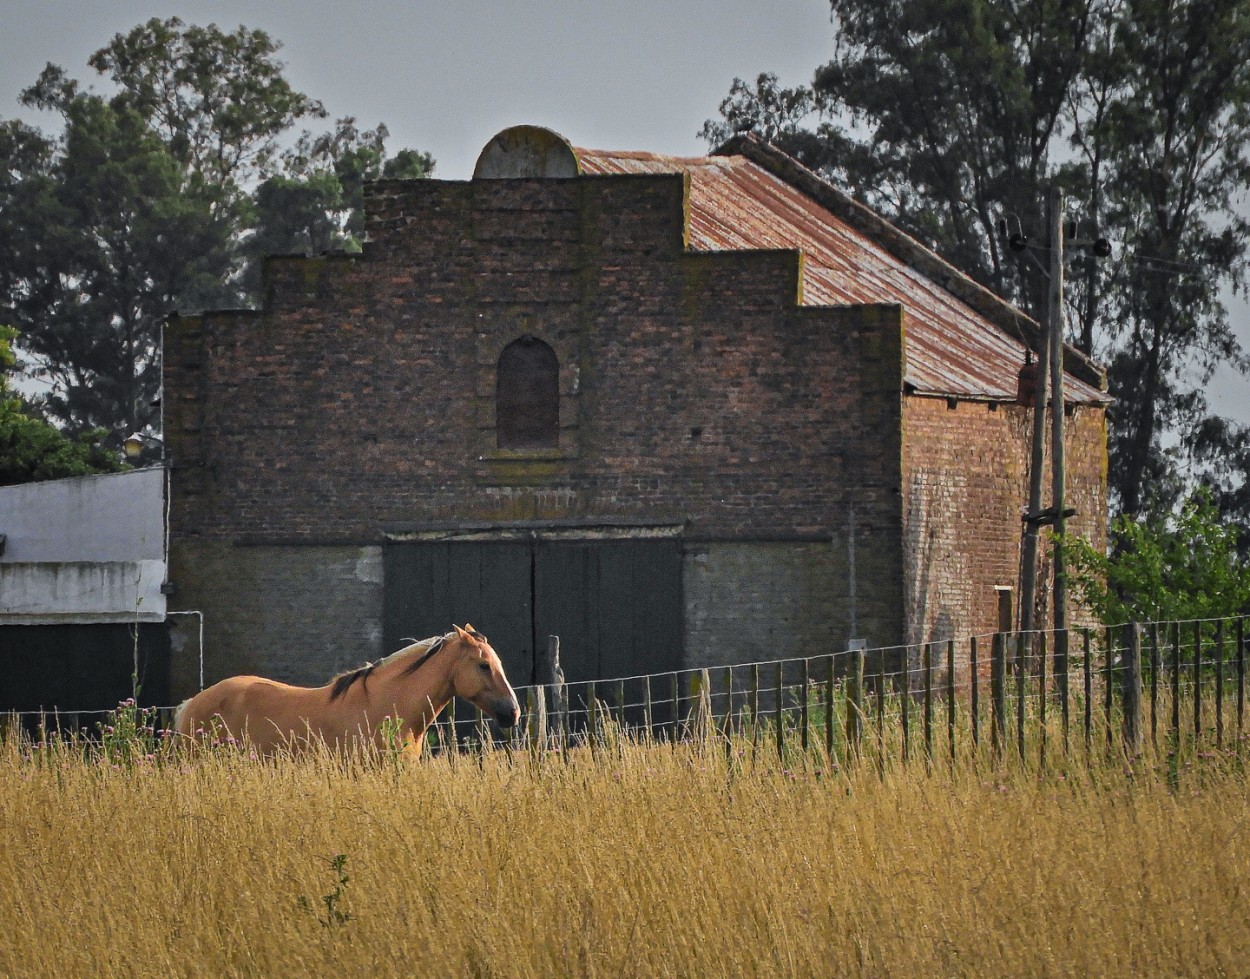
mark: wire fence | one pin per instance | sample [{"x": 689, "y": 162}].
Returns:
[
  {"x": 1028, "y": 694},
  {"x": 1163, "y": 683}
]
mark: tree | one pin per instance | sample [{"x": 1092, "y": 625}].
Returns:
[
  {"x": 1176, "y": 130},
  {"x": 951, "y": 116},
  {"x": 31, "y": 449},
  {"x": 316, "y": 204},
  {"x": 1175, "y": 568},
  {"x": 161, "y": 197},
  {"x": 102, "y": 242}
]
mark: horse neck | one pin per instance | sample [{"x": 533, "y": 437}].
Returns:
[{"x": 421, "y": 696}]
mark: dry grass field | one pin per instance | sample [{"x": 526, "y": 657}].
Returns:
[{"x": 634, "y": 861}]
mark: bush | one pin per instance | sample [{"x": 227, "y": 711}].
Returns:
[{"x": 1184, "y": 566}]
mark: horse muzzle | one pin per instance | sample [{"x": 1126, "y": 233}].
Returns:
[{"x": 507, "y": 714}]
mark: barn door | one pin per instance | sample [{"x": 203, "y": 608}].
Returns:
[
  {"x": 430, "y": 586},
  {"x": 616, "y": 605}
]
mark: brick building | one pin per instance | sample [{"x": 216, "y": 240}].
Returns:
[{"x": 676, "y": 411}]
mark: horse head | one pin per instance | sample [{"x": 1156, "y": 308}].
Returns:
[{"x": 479, "y": 678}]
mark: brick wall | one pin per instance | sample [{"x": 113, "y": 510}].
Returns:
[
  {"x": 964, "y": 489},
  {"x": 693, "y": 389},
  {"x": 297, "y": 614},
  {"x": 690, "y": 384}
]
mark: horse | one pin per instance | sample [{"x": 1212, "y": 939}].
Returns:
[{"x": 410, "y": 688}]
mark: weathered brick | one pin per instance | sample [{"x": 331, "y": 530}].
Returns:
[{"x": 693, "y": 387}]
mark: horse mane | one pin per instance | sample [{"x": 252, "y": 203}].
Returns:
[
  {"x": 417, "y": 664},
  {"x": 344, "y": 681}
]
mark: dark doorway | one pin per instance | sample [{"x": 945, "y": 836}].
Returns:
[{"x": 616, "y": 604}]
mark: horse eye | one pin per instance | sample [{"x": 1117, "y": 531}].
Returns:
[{"x": 484, "y": 667}]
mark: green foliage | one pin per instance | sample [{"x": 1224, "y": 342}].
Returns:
[
  {"x": 162, "y": 196},
  {"x": 315, "y": 204},
  {"x": 335, "y": 916},
  {"x": 31, "y": 449},
  {"x": 950, "y": 116},
  {"x": 1184, "y": 567},
  {"x": 129, "y": 736}
]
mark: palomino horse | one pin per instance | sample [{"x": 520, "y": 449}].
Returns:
[{"x": 408, "y": 688}]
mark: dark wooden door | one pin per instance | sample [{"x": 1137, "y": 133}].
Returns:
[
  {"x": 428, "y": 587},
  {"x": 616, "y": 605}
]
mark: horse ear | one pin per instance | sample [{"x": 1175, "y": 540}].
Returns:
[{"x": 460, "y": 632}]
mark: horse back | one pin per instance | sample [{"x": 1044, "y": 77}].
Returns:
[{"x": 224, "y": 704}]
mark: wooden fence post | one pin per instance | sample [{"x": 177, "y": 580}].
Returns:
[
  {"x": 592, "y": 728},
  {"x": 974, "y": 667},
  {"x": 1132, "y": 690},
  {"x": 536, "y": 717},
  {"x": 646, "y": 707},
  {"x": 453, "y": 745},
  {"x": 1021, "y": 681},
  {"x": 905, "y": 702},
  {"x": 1088, "y": 668},
  {"x": 881, "y": 711},
  {"x": 1061, "y": 680},
  {"x": 780, "y": 715},
  {"x": 1197, "y": 680},
  {"x": 950, "y": 696},
  {"x": 855, "y": 703},
  {"x": 928, "y": 702},
  {"x": 1154, "y": 683},
  {"x": 675, "y": 697},
  {"x": 1241, "y": 674},
  {"x": 998, "y": 692},
  {"x": 1176, "y": 684},
  {"x": 1041, "y": 697},
  {"x": 699, "y": 722},
  {"x": 1108, "y": 701},
  {"x": 755, "y": 706},
  {"x": 550, "y": 675},
  {"x": 804, "y": 719},
  {"x": 829, "y": 684},
  {"x": 1219, "y": 683}
]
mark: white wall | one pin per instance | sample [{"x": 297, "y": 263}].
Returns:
[{"x": 90, "y": 549}]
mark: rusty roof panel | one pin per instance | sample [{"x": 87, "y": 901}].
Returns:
[{"x": 735, "y": 204}]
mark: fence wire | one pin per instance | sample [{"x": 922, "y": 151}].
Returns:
[{"x": 1032, "y": 692}]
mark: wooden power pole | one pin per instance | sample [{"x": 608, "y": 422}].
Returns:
[
  {"x": 1057, "y": 462},
  {"x": 1037, "y": 462},
  {"x": 1049, "y": 391}
]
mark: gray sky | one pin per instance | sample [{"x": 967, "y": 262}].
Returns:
[{"x": 446, "y": 75}]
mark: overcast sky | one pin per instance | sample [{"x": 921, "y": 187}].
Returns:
[{"x": 446, "y": 75}]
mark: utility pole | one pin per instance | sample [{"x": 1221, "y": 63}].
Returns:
[
  {"x": 1029, "y": 549},
  {"x": 1028, "y": 555},
  {"x": 1057, "y": 464},
  {"x": 1050, "y": 375}
]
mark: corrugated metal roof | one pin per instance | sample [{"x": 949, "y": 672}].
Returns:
[{"x": 735, "y": 204}]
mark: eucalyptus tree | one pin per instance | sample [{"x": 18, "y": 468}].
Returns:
[
  {"x": 159, "y": 196},
  {"x": 1174, "y": 134},
  {"x": 954, "y": 117}
]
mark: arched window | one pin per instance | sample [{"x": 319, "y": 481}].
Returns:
[{"x": 527, "y": 396}]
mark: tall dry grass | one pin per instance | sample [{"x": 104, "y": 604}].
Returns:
[{"x": 634, "y": 861}]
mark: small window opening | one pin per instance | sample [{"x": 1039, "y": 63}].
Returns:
[{"x": 527, "y": 396}]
